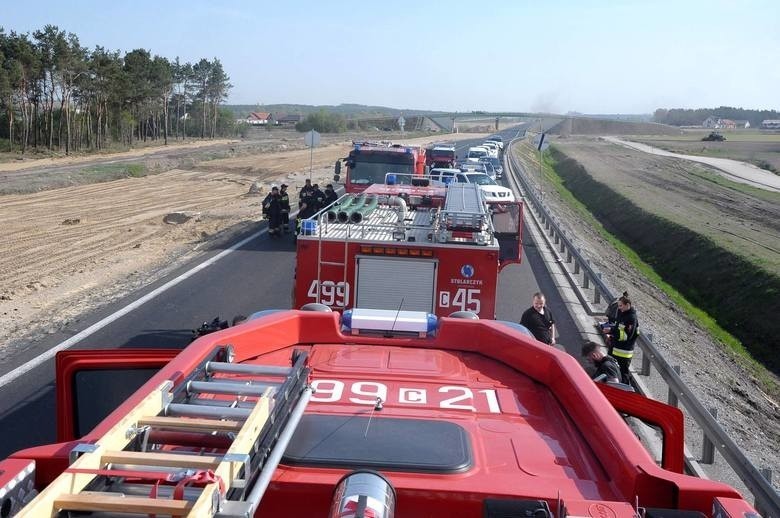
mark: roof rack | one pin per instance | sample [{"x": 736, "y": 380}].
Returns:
[{"x": 142, "y": 466}]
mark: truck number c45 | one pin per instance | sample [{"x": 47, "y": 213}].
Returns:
[{"x": 464, "y": 299}]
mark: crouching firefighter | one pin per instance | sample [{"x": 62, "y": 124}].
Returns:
[
  {"x": 272, "y": 209},
  {"x": 623, "y": 335}
]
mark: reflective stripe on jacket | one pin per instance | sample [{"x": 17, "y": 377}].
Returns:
[{"x": 622, "y": 353}]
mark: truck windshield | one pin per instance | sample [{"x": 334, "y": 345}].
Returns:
[
  {"x": 442, "y": 155},
  {"x": 372, "y": 169}
]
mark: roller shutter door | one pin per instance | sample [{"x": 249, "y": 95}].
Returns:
[{"x": 383, "y": 283}]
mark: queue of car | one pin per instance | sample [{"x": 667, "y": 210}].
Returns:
[{"x": 473, "y": 173}]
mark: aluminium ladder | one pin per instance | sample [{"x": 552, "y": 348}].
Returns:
[{"x": 205, "y": 448}]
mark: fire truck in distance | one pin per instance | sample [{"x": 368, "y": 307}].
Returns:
[
  {"x": 408, "y": 247},
  {"x": 369, "y": 162},
  {"x": 440, "y": 156}
]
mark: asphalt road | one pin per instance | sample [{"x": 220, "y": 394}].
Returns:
[{"x": 256, "y": 276}]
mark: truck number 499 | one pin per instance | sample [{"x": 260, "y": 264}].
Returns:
[{"x": 330, "y": 293}]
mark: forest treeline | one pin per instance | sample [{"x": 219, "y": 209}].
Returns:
[
  {"x": 688, "y": 117},
  {"x": 57, "y": 95}
]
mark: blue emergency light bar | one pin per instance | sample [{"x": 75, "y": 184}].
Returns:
[{"x": 389, "y": 320}]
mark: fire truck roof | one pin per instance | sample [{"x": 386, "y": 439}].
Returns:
[{"x": 406, "y": 214}]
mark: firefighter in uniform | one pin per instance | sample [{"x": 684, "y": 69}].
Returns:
[
  {"x": 623, "y": 335},
  {"x": 318, "y": 196},
  {"x": 284, "y": 200},
  {"x": 305, "y": 192},
  {"x": 272, "y": 209}
]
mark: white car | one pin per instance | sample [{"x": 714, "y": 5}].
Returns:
[
  {"x": 490, "y": 189},
  {"x": 492, "y": 148},
  {"x": 497, "y": 139},
  {"x": 475, "y": 153}
]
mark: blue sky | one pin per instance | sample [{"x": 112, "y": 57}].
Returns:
[{"x": 550, "y": 55}]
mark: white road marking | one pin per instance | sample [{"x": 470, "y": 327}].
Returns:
[{"x": 30, "y": 365}]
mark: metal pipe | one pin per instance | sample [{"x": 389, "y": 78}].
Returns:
[
  {"x": 401, "y": 204},
  {"x": 217, "y": 412},
  {"x": 231, "y": 389},
  {"x": 243, "y": 368},
  {"x": 253, "y": 499},
  {"x": 220, "y": 402}
]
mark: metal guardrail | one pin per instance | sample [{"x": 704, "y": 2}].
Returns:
[{"x": 767, "y": 500}]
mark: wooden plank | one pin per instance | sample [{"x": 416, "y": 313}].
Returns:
[
  {"x": 42, "y": 506},
  {"x": 173, "y": 460},
  {"x": 93, "y": 501},
  {"x": 192, "y": 424}
]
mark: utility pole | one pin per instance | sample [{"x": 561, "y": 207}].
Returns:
[{"x": 541, "y": 146}]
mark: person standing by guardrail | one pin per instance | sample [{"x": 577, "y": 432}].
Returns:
[
  {"x": 539, "y": 320},
  {"x": 623, "y": 336}
]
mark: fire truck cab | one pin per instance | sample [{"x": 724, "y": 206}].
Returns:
[
  {"x": 408, "y": 247},
  {"x": 369, "y": 162}
]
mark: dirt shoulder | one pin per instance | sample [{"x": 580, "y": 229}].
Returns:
[{"x": 69, "y": 250}]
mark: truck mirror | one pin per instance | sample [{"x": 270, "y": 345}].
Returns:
[
  {"x": 336, "y": 178},
  {"x": 337, "y": 169}
]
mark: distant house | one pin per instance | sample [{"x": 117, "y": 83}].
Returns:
[
  {"x": 742, "y": 124},
  {"x": 287, "y": 119},
  {"x": 710, "y": 122},
  {"x": 772, "y": 124},
  {"x": 258, "y": 119},
  {"x": 718, "y": 123}
]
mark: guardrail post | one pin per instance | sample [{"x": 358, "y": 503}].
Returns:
[
  {"x": 707, "y": 448},
  {"x": 646, "y": 360},
  {"x": 576, "y": 267},
  {"x": 585, "y": 281},
  {"x": 767, "y": 474},
  {"x": 672, "y": 399},
  {"x": 597, "y": 292},
  {"x": 568, "y": 256}
]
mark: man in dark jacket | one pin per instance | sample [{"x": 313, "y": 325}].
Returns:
[
  {"x": 305, "y": 192},
  {"x": 318, "y": 196},
  {"x": 330, "y": 195},
  {"x": 623, "y": 336},
  {"x": 272, "y": 208},
  {"x": 607, "y": 368},
  {"x": 539, "y": 320}
]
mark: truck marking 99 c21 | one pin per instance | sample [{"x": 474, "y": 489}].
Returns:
[{"x": 450, "y": 397}]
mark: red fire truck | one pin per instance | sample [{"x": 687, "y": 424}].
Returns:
[
  {"x": 369, "y": 162},
  {"x": 440, "y": 156},
  {"x": 408, "y": 247}
]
